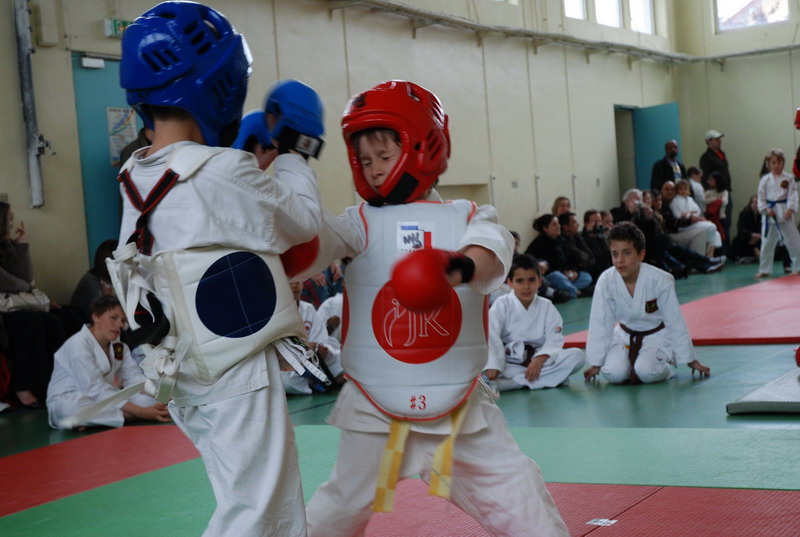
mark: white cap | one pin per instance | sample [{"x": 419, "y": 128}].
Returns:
[{"x": 710, "y": 135}]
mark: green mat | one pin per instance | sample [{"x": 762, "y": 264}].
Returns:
[{"x": 177, "y": 501}]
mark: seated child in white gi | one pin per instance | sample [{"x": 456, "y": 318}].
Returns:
[
  {"x": 413, "y": 336},
  {"x": 651, "y": 336},
  {"x": 325, "y": 337},
  {"x": 683, "y": 205},
  {"x": 94, "y": 365},
  {"x": 525, "y": 335},
  {"x": 293, "y": 382}
]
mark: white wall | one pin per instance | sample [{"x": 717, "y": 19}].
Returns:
[{"x": 515, "y": 112}]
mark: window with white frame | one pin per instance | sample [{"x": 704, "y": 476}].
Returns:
[
  {"x": 575, "y": 9},
  {"x": 642, "y": 16},
  {"x": 732, "y": 14},
  {"x": 608, "y": 12}
]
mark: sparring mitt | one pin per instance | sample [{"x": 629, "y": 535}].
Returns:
[
  {"x": 419, "y": 279},
  {"x": 299, "y": 257}
]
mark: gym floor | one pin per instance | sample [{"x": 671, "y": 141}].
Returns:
[{"x": 673, "y": 434}]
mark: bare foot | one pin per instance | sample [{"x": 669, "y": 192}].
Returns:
[{"x": 761, "y": 275}]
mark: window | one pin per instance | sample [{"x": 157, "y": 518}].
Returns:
[
  {"x": 733, "y": 14},
  {"x": 642, "y": 16},
  {"x": 575, "y": 9},
  {"x": 608, "y": 12}
]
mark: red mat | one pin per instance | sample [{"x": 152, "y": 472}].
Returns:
[
  {"x": 42, "y": 475},
  {"x": 637, "y": 511},
  {"x": 766, "y": 312}
]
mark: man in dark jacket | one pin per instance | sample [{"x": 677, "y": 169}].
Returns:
[
  {"x": 715, "y": 160},
  {"x": 668, "y": 168}
]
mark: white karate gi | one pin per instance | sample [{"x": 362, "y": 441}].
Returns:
[
  {"x": 293, "y": 382},
  {"x": 681, "y": 205},
  {"x": 772, "y": 193},
  {"x": 332, "y": 307},
  {"x": 654, "y": 301},
  {"x": 512, "y": 326},
  {"x": 698, "y": 195},
  {"x": 239, "y": 423},
  {"x": 487, "y": 463},
  {"x": 84, "y": 374}
]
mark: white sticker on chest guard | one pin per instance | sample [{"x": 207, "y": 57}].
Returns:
[{"x": 413, "y": 236}]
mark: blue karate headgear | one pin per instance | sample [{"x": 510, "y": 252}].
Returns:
[
  {"x": 297, "y": 106},
  {"x": 253, "y": 127},
  {"x": 186, "y": 55}
]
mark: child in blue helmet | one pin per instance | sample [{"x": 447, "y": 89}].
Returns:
[
  {"x": 413, "y": 333},
  {"x": 185, "y": 70}
]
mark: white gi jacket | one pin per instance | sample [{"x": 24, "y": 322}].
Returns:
[
  {"x": 654, "y": 301},
  {"x": 228, "y": 202},
  {"x": 512, "y": 326},
  {"x": 684, "y": 204},
  {"x": 771, "y": 189},
  {"x": 84, "y": 373},
  {"x": 307, "y": 313}
]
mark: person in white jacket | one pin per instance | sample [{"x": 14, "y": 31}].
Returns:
[
  {"x": 652, "y": 335},
  {"x": 94, "y": 365},
  {"x": 414, "y": 345},
  {"x": 208, "y": 205},
  {"x": 777, "y": 203},
  {"x": 526, "y": 340}
]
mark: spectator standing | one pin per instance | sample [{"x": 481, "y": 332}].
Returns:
[
  {"x": 715, "y": 160},
  {"x": 668, "y": 168}
]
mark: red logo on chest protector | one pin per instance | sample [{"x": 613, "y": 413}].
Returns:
[{"x": 415, "y": 338}]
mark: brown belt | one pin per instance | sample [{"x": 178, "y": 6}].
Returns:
[{"x": 635, "y": 345}]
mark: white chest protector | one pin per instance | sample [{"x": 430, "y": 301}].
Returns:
[
  {"x": 411, "y": 366},
  {"x": 223, "y": 304}
]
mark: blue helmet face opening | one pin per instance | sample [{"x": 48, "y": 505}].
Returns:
[
  {"x": 188, "y": 56},
  {"x": 295, "y": 105}
]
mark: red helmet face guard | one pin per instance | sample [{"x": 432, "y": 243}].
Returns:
[{"x": 416, "y": 115}]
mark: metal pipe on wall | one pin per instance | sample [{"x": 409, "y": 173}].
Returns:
[{"x": 34, "y": 141}]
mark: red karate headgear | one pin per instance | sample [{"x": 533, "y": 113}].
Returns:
[{"x": 418, "y": 118}]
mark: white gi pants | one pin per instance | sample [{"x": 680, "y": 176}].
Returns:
[
  {"x": 555, "y": 371},
  {"x": 653, "y": 364},
  {"x": 247, "y": 445},
  {"x": 294, "y": 383},
  {"x": 770, "y": 238},
  {"x": 493, "y": 481},
  {"x": 697, "y": 236}
]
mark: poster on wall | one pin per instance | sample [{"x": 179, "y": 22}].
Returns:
[{"x": 121, "y": 131}]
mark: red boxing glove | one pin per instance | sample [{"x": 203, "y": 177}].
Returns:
[
  {"x": 299, "y": 257},
  {"x": 419, "y": 280}
]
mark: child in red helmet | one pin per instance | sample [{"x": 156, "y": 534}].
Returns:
[{"x": 414, "y": 337}]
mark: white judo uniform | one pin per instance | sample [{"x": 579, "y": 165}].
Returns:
[
  {"x": 240, "y": 422},
  {"x": 293, "y": 382},
  {"x": 332, "y": 307},
  {"x": 84, "y": 374},
  {"x": 512, "y": 326},
  {"x": 487, "y": 463},
  {"x": 779, "y": 194},
  {"x": 653, "y": 302},
  {"x": 694, "y": 236}
]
